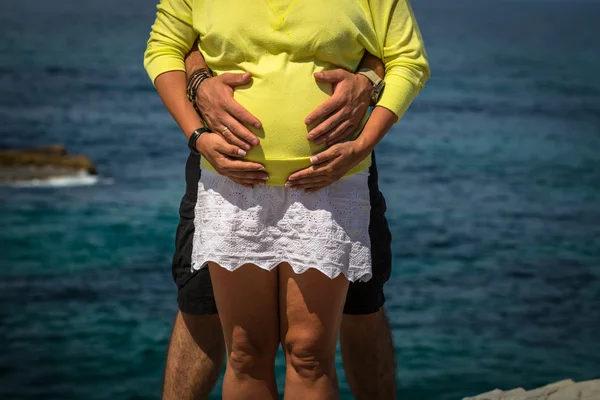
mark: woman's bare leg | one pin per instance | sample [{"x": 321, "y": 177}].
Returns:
[
  {"x": 247, "y": 300},
  {"x": 311, "y": 307}
]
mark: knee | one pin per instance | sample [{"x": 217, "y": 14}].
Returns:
[
  {"x": 310, "y": 357},
  {"x": 251, "y": 357}
]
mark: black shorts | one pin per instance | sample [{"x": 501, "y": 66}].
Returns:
[{"x": 195, "y": 293}]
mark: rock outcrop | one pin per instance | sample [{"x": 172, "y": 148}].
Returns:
[
  {"x": 563, "y": 390},
  {"x": 42, "y": 163}
]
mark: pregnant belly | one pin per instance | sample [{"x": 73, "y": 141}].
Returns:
[
  {"x": 282, "y": 104},
  {"x": 282, "y": 100}
]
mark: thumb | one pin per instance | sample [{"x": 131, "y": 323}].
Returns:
[
  {"x": 235, "y": 79},
  {"x": 324, "y": 156},
  {"x": 333, "y": 76}
]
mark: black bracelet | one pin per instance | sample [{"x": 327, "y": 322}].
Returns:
[{"x": 194, "y": 138}]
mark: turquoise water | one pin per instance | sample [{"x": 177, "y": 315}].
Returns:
[{"x": 492, "y": 181}]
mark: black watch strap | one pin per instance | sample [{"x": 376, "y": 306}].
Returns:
[{"x": 194, "y": 138}]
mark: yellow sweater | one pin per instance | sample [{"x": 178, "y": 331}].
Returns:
[{"x": 282, "y": 43}]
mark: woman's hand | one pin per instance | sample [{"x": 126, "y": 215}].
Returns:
[
  {"x": 335, "y": 162},
  {"x": 221, "y": 155},
  {"x": 344, "y": 110},
  {"x": 328, "y": 166}
]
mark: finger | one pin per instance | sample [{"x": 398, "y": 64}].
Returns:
[
  {"x": 230, "y": 150},
  {"x": 342, "y": 131},
  {"x": 326, "y": 126},
  {"x": 231, "y": 137},
  {"x": 333, "y": 76},
  {"x": 328, "y": 107},
  {"x": 242, "y": 115},
  {"x": 325, "y": 157},
  {"x": 239, "y": 130},
  {"x": 234, "y": 80},
  {"x": 258, "y": 176},
  {"x": 247, "y": 182},
  {"x": 212, "y": 124},
  {"x": 238, "y": 165},
  {"x": 307, "y": 181},
  {"x": 313, "y": 170}
]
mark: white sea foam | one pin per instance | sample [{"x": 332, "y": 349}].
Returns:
[{"x": 79, "y": 179}]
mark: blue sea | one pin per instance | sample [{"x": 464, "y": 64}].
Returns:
[{"x": 492, "y": 180}]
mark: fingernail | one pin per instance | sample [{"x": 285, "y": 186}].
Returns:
[
  {"x": 261, "y": 169},
  {"x": 314, "y": 159},
  {"x": 288, "y": 184},
  {"x": 308, "y": 121},
  {"x": 247, "y": 146},
  {"x": 319, "y": 140},
  {"x": 310, "y": 136},
  {"x": 241, "y": 152},
  {"x": 255, "y": 141},
  {"x": 318, "y": 74},
  {"x": 257, "y": 125},
  {"x": 264, "y": 177}
]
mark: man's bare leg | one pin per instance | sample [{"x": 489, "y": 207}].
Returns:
[
  {"x": 194, "y": 357},
  {"x": 368, "y": 356}
]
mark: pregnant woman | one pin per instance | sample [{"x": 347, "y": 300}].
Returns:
[{"x": 281, "y": 257}]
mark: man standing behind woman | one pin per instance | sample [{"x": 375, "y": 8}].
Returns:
[{"x": 280, "y": 258}]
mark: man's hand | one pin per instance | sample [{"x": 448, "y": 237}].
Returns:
[
  {"x": 214, "y": 99},
  {"x": 328, "y": 166},
  {"x": 344, "y": 109},
  {"x": 221, "y": 154}
]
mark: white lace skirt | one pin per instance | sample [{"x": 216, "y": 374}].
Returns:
[{"x": 267, "y": 225}]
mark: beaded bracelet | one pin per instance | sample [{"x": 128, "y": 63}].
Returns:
[{"x": 194, "y": 82}]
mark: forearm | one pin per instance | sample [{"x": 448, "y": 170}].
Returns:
[
  {"x": 379, "y": 124},
  {"x": 194, "y": 61},
  {"x": 381, "y": 119},
  {"x": 373, "y": 63},
  {"x": 171, "y": 87}
]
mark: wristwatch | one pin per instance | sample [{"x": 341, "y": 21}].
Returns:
[
  {"x": 194, "y": 138},
  {"x": 378, "y": 83}
]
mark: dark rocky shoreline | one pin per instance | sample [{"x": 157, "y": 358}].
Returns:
[{"x": 42, "y": 163}]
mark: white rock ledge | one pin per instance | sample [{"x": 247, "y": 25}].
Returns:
[{"x": 563, "y": 390}]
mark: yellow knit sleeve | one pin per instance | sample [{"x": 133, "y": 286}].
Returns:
[
  {"x": 171, "y": 38},
  {"x": 402, "y": 51}
]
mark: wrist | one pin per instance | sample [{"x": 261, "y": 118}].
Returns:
[
  {"x": 194, "y": 82},
  {"x": 362, "y": 146},
  {"x": 377, "y": 84},
  {"x": 366, "y": 84},
  {"x": 195, "y": 138}
]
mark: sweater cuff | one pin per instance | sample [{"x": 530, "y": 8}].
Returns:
[
  {"x": 398, "y": 94},
  {"x": 160, "y": 65}
]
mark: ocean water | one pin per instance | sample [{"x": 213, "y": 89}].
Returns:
[{"x": 492, "y": 181}]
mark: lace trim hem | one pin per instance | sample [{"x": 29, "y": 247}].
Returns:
[{"x": 298, "y": 269}]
